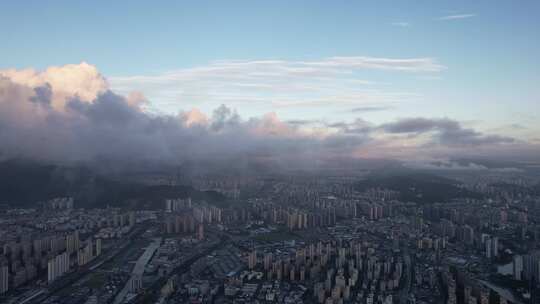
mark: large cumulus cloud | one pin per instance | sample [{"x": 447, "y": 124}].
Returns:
[
  {"x": 70, "y": 114},
  {"x": 81, "y": 80},
  {"x": 44, "y": 116}
]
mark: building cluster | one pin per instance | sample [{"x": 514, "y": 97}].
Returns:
[
  {"x": 178, "y": 204},
  {"x": 43, "y": 245},
  {"x": 59, "y": 203},
  {"x": 54, "y": 254},
  {"x": 526, "y": 267},
  {"x": 228, "y": 187},
  {"x": 320, "y": 213},
  {"x": 337, "y": 271},
  {"x": 184, "y": 217},
  {"x": 461, "y": 288}
]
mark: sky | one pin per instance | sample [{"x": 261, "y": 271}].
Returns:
[{"x": 313, "y": 65}]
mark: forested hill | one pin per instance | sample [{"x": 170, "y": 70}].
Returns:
[{"x": 23, "y": 184}]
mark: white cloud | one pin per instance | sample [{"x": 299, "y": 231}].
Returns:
[
  {"x": 444, "y": 164},
  {"x": 82, "y": 80},
  {"x": 401, "y": 24},
  {"x": 275, "y": 83},
  {"x": 456, "y": 17},
  {"x": 361, "y": 62}
]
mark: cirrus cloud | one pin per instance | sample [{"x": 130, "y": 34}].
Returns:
[
  {"x": 332, "y": 81},
  {"x": 456, "y": 17}
]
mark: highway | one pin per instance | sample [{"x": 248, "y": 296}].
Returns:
[
  {"x": 405, "y": 290},
  {"x": 138, "y": 269},
  {"x": 153, "y": 291}
]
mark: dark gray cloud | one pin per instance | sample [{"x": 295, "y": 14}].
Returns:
[
  {"x": 461, "y": 136},
  {"x": 43, "y": 94},
  {"x": 302, "y": 122},
  {"x": 358, "y": 126},
  {"x": 370, "y": 109},
  {"x": 446, "y": 131},
  {"x": 343, "y": 142},
  {"x": 419, "y": 125},
  {"x": 108, "y": 108},
  {"x": 224, "y": 117}
]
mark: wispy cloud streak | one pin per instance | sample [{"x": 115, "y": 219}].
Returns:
[
  {"x": 277, "y": 83},
  {"x": 456, "y": 17},
  {"x": 401, "y": 24}
]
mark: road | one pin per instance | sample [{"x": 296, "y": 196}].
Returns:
[
  {"x": 138, "y": 269},
  {"x": 153, "y": 290},
  {"x": 405, "y": 291}
]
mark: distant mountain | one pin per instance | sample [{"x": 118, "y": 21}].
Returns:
[
  {"x": 24, "y": 183},
  {"x": 418, "y": 187}
]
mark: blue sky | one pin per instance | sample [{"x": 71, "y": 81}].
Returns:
[{"x": 487, "y": 51}]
